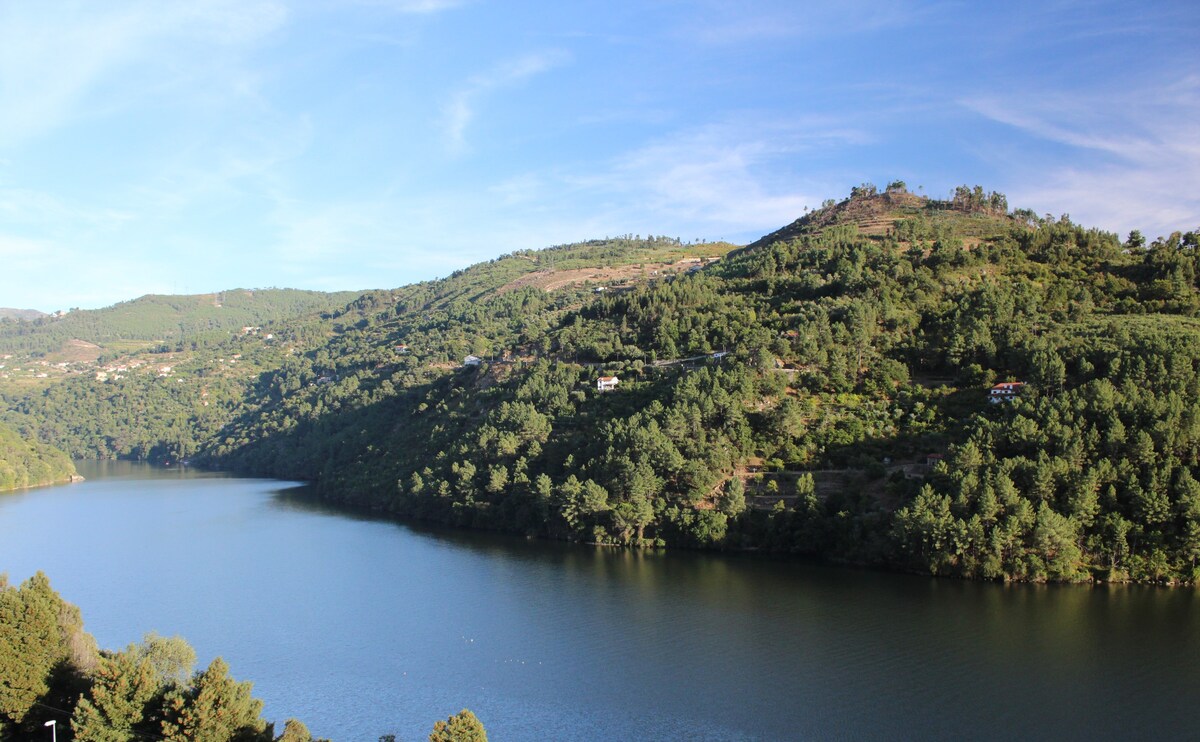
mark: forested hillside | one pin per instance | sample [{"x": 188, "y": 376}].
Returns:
[
  {"x": 156, "y": 318},
  {"x": 826, "y": 390},
  {"x": 25, "y": 463}
]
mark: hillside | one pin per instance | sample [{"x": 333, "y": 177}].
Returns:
[
  {"x": 824, "y": 390},
  {"x": 27, "y": 464},
  {"x": 26, "y": 314},
  {"x": 155, "y": 319}
]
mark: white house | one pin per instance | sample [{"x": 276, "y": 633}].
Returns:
[
  {"x": 1005, "y": 392},
  {"x": 607, "y": 383},
  {"x": 472, "y": 361}
]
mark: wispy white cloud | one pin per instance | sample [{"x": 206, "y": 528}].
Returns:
[
  {"x": 725, "y": 177},
  {"x": 716, "y": 181},
  {"x": 23, "y": 207},
  {"x": 459, "y": 111},
  {"x": 1143, "y": 171},
  {"x": 88, "y": 278},
  {"x": 21, "y": 249},
  {"x": 721, "y": 23},
  {"x": 418, "y": 6},
  {"x": 374, "y": 241},
  {"x": 246, "y": 162},
  {"x": 51, "y": 58},
  {"x": 721, "y": 181}
]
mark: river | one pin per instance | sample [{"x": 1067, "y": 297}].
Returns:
[{"x": 362, "y": 628}]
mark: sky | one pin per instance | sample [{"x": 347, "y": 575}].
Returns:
[{"x": 190, "y": 147}]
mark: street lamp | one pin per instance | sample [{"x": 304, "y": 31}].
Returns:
[{"x": 53, "y": 724}]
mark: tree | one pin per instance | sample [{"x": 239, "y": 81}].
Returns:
[
  {"x": 130, "y": 687},
  {"x": 635, "y": 513},
  {"x": 1055, "y": 539},
  {"x": 733, "y": 497},
  {"x": 216, "y": 708},
  {"x": 461, "y": 727},
  {"x": 294, "y": 731},
  {"x": 116, "y": 706},
  {"x": 31, "y": 644},
  {"x": 170, "y": 658}
]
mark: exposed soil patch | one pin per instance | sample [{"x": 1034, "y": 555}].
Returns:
[
  {"x": 551, "y": 280},
  {"x": 74, "y": 351}
]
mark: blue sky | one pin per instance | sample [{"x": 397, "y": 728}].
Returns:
[{"x": 150, "y": 147}]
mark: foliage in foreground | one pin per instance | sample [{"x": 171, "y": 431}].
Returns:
[{"x": 50, "y": 669}]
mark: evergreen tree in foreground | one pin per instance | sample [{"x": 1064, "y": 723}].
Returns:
[{"x": 461, "y": 727}]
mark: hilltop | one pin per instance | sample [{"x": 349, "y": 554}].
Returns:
[
  {"x": 26, "y": 314},
  {"x": 971, "y": 215},
  {"x": 824, "y": 390}
]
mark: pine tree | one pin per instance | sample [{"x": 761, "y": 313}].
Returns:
[
  {"x": 31, "y": 643},
  {"x": 216, "y": 708},
  {"x": 461, "y": 727},
  {"x": 294, "y": 731},
  {"x": 117, "y": 704}
]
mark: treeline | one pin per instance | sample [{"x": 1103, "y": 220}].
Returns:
[
  {"x": 51, "y": 672},
  {"x": 26, "y": 463}
]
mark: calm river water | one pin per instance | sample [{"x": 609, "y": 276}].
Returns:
[{"x": 362, "y": 628}]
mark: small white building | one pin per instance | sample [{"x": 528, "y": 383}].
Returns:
[
  {"x": 607, "y": 383},
  {"x": 1005, "y": 392},
  {"x": 472, "y": 361}
]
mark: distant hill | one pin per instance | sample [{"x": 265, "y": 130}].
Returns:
[
  {"x": 24, "y": 463},
  {"x": 160, "y": 318},
  {"x": 27, "y": 314}
]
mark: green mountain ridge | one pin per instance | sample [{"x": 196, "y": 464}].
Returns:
[
  {"x": 162, "y": 318},
  {"x": 824, "y": 390}
]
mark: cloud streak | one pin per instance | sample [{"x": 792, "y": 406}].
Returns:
[
  {"x": 50, "y": 62},
  {"x": 1143, "y": 171},
  {"x": 421, "y": 7},
  {"x": 724, "y": 23},
  {"x": 723, "y": 177},
  {"x": 460, "y": 110}
]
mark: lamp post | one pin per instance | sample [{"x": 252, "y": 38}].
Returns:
[{"x": 53, "y": 724}]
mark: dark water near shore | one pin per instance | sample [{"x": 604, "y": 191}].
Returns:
[{"x": 362, "y": 628}]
